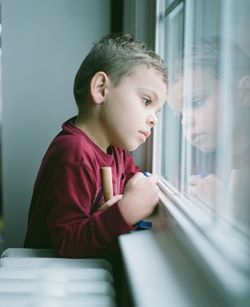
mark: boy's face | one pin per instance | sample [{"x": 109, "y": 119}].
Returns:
[
  {"x": 197, "y": 102},
  {"x": 130, "y": 108}
]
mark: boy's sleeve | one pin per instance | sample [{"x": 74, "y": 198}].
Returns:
[{"x": 75, "y": 231}]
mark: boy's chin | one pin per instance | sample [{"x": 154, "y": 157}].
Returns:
[
  {"x": 130, "y": 147},
  {"x": 206, "y": 149}
]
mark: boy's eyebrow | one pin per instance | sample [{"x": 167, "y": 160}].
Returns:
[{"x": 152, "y": 92}]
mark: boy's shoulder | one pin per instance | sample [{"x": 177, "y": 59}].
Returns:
[
  {"x": 73, "y": 145},
  {"x": 71, "y": 140},
  {"x": 69, "y": 145}
]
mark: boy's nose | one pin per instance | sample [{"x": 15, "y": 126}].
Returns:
[{"x": 152, "y": 120}]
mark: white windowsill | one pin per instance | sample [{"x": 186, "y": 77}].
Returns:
[{"x": 162, "y": 273}]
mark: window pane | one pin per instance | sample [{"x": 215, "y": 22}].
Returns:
[
  {"x": 168, "y": 2},
  {"x": 233, "y": 153},
  {"x": 172, "y": 125},
  {"x": 205, "y": 126}
]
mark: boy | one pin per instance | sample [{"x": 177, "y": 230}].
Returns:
[{"x": 119, "y": 88}]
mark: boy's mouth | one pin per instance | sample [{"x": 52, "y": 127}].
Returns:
[
  {"x": 197, "y": 138},
  {"x": 145, "y": 133}
]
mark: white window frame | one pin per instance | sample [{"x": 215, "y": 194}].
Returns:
[{"x": 219, "y": 256}]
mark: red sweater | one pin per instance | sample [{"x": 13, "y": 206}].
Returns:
[{"x": 67, "y": 193}]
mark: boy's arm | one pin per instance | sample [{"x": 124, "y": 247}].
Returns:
[{"x": 74, "y": 230}]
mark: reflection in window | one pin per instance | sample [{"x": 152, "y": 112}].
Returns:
[{"x": 205, "y": 126}]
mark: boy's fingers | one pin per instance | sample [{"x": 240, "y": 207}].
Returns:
[
  {"x": 137, "y": 177},
  {"x": 192, "y": 190},
  {"x": 153, "y": 178},
  {"x": 113, "y": 200},
  {"x": 110, "y": 202},
  {"x": 194, "y": 180},
  {"x": 140, "y": 176}
]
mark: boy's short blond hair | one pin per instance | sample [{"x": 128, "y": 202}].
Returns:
[
  {"x": 207, "y": 54},
  {"x": 116, "y": 55}
]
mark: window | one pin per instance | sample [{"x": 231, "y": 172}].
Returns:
[
  {"x": 1, "y": 106},
  {"x": 202, "y": 143}
]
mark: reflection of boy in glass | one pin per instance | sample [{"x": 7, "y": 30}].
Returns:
[{"x": 201, "y": 93}]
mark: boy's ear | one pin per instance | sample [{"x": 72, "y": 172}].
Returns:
[
  {"x": 244, "y": 91},
  {"x": 98, "y": 87}
]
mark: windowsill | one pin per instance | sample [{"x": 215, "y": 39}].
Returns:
[
  {"x": 160, "y": 277},
  {"x": 161, "y": 269}
]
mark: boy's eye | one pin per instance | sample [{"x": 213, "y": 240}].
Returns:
[
  {"x": 146, "y": 101},
  {"x": 198, "y": 101},
  {"x": 194, "y": 103}
]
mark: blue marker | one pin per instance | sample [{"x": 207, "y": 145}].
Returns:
[
  {"x": 144, "y": 224},
  {"x": 147, "y": 174}
]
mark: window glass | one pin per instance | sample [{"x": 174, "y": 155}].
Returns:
[
  {"x": 168, "y": 2},
  {"x": 204, "y": 131},
  {"x": 233, "y": 145},
  {"x": 172, "y": 124}
]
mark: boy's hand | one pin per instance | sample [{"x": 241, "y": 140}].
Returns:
[
  {"x": 206, "y": 189},
  {"x": 203, "y": 188},
  {"x": 139, "y": 198},
  {"x": 110, "y": 202}
]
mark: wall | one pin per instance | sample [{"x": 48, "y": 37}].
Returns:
[{"x": 44, "y": 43}]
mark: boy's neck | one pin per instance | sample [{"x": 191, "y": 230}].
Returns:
[{"x": 93, "y": 130}]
